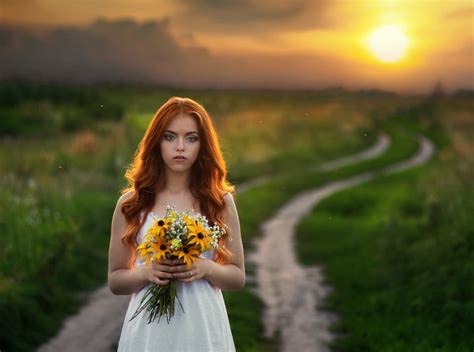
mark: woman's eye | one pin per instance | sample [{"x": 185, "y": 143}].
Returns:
[
  {"x": 169, "y": 137},
  {"x": 192, "y": 138}
]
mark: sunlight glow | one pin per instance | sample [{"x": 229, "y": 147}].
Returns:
[{"x": 388, "y": 43}]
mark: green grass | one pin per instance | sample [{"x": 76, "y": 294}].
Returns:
[
  {"x": 402, "y": 276},
  {"x": 398, "y": 251},
  {"x": 53, "y": 273}
]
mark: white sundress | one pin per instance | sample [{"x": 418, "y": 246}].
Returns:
[{"x": 204, "y": 325}]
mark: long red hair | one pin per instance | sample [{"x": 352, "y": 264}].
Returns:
[{"x": 146, "y": 174}]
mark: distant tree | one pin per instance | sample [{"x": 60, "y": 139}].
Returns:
[
  {"x": 438, "y": 91},
  {"x": 433, "y": 99},
  {"x": 464, "y": 93}
]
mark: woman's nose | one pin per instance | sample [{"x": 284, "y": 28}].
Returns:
[{"x": 180, "y": 144}]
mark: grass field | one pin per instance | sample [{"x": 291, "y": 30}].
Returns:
[
  {"x": 60, "y": 180},
  {"x": 398, "y": 250}
]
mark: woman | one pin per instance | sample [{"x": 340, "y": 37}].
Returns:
[{"x": 178, "y": 162}]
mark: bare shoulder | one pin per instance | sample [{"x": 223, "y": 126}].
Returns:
[
  {"x": 230, "y": 210},
  {"x": 118, "y": 252},
  {"x": 120, "y": 201},
  {"x": 125, "y": 196},
  {"x": 229, "y": 200}
]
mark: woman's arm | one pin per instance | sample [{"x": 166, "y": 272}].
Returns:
[
  {"x": 121, "y": 279},
  {"x": 230, "y": 276}
]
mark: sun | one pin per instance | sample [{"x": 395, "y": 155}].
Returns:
[{"x": 388, "y": 43}]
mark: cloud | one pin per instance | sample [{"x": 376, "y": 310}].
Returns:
[
  {"x": 104, "y": 50},
  {"x": 249, "y": 16},
  {"x": 125, "y": 50}
]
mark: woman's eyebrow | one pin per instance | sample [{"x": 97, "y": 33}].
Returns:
[{"x": 184, "y": 134}]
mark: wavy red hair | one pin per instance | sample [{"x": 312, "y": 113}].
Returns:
[{"x": 146, "y": 174}]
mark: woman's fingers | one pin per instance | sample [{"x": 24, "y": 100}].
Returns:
[
  {"x": 161, "y": 282},
  {"x": 163, "y": 274},
  {"x": 171, "y": 269},
  {"x": 164, "y": 268},
  {"x": 183, "y": 275}
]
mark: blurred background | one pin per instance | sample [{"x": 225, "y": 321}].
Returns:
[{"x": 288, "y": 84}]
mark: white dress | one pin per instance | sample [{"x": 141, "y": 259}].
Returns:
[{"x": 204, "y": 325}]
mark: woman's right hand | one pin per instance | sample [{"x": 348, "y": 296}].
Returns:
[{"x": 159, "y": 272}]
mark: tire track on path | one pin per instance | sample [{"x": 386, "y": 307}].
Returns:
[{"x": 292, "y": 293}]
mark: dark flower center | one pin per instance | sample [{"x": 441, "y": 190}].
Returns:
[
  {"x": 185, "y": 250},
  {"x": 200, "y": 235},
  {"x": 161, "y": 223},
  {"x": 162, "y": 247}
]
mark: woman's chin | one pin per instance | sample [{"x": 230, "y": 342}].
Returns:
[{"x": 179, "y": 168}]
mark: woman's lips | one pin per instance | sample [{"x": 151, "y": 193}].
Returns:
[{"x": 179, "y": 158}]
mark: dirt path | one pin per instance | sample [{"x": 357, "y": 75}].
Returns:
[
  {"x": 383, "y": 141},
  {"x": 292, "y": 293},
  {"x": 96, "y": 327}
]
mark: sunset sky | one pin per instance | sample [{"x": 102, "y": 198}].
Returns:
[{"x": 403, "y": 45}]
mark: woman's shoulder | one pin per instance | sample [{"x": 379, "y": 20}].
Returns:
[
  {"x": 125, "y": 196},
  {"x": 227, "y": 196},
  {"x": 229, "y": 202}
]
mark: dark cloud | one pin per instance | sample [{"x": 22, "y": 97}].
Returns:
[
  {"x": 124, "y": 50},
  {"x": 105, "y": 50},
  {"x": 250, "y": 16}
]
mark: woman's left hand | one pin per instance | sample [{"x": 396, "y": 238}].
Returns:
[{"x": 198, "y": 270}]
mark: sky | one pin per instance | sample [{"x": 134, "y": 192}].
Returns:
[{"x": 298, "y": 44}]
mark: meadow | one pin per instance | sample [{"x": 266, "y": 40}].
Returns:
[
  {"x": 398, "y": 250},
  {"x": 64, "y": 150}
]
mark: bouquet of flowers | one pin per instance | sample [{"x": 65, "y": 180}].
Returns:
[{"x": 177, "y": 235}]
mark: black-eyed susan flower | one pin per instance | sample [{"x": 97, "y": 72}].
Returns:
[
  {"x": 201, "y": 239},
  {"x": 160, "y": 249},
  {"x": 195, "y": 226},
  {"x": 158, "y": 229},
  {"x": 189, "y": 255},
  {"x": 199, "y": 235}
]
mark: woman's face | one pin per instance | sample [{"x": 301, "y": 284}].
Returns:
[{"x": 180, "y": 143}]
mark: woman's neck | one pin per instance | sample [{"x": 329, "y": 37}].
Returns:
[{"x": 177, "y": 183}]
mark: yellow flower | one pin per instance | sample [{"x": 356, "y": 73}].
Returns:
[
  {"x": 199, "y": 235},
  {"x": 188, "y": 220},
  {"x": 158, "y": 229},
  {"x": 160, "y": 248},
  {"x": 195, "y": 226},
  {"x": 200, "y": 239},
  {"x": 189, "y": 255},
  {"x": 145, "y": 249}
]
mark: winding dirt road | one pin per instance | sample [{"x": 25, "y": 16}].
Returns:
[
  {"x": 96, "y": 327},
  {"x": 292, "y": 293}
]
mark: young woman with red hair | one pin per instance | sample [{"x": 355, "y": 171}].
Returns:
[{"x": 178, "y": 162}]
